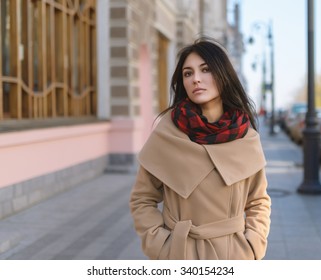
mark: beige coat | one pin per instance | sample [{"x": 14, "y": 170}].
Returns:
[{"x": 215, "y": 204}]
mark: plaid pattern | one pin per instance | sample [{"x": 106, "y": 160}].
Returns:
[{"x": 232, "y": 125}]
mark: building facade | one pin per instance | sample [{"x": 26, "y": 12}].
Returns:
[{"x": 81, "y": 82}]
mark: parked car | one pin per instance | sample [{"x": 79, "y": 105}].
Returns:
[
  {"x": 290, "y": 116},
  {"x": 295, "y": 129},
  {"x": 281, "y": 115},
  {"x": 298, "y": 125}
]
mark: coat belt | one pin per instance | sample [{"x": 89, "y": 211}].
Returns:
[{"x": 182, "y": 229}]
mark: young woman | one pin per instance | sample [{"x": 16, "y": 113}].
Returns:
[{"x": 205, "y": 163}]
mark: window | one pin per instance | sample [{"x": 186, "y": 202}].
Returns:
[{"x": 48, "y": 58}]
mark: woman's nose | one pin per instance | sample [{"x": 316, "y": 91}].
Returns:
[{"x": 196, "y": 79}]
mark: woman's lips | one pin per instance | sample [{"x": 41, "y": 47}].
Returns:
[{"x": 198, "y": 90}]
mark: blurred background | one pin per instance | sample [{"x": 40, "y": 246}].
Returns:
[{"x": 81, "y": 81}]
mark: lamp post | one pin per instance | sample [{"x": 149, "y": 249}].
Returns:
[
  {"x": 272, "y": 121},
  {"x": 268, "y": 86},
  {"x": 263, "y": 100},
  {"x": 311, "y": 133}
]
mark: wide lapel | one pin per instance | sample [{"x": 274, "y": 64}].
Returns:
[
  {"x": 238, "y": 159},
  {"x": 174, "y": 159}
]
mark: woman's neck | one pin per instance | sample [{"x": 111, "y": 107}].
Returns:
[{"x": 212, "y": 111}]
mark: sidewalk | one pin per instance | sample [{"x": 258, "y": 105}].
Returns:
[{"x": 92, "y": 220}]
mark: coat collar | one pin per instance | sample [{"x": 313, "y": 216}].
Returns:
[{"x": 182, "y": 164}]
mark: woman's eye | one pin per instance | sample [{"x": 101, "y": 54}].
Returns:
[
  {"x": 206, "y": 69},
  {"x": 187, "y": 74}
]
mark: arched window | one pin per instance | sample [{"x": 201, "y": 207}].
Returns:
[{"x": 48, "y": 58}]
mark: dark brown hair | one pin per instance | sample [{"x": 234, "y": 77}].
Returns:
[{"x": 231, "y": 90}]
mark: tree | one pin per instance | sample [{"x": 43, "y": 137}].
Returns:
[
  {"x": 302, "y": 92},
  {"x": 318, "y": 92}
]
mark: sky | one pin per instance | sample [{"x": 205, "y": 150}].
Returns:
[{"x": 289, "y": 30}]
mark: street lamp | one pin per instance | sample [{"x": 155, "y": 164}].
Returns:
[
  {"x": 272, "y": 122},
  {"x": 262, "y": 109},
  {"x": 268, "y": 86},
  {"x": 311, "y": 133}
]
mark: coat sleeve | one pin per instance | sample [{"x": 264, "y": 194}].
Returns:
[
  {"x": 146, "y": 194},
  {"x": 258, "y": 210}
]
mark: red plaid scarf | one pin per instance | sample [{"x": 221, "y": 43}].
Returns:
[{"x": 232, "y": 125}]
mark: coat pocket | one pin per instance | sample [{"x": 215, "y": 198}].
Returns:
[
  {"x": 164, "y": 252},
  {"x": 240, "y": 248}
]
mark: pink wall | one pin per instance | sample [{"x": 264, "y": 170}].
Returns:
[
  {"x": 32, "y": 153},
  {"x": 145, "y": 85},
  {"x": 126, "y": 135},
  {"x": 28, "y": 154}
]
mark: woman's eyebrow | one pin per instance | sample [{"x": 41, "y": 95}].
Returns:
[{"x": 188, "y": 67}]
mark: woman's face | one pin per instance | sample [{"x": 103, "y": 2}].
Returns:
[{"x": 198, "y": 81}]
